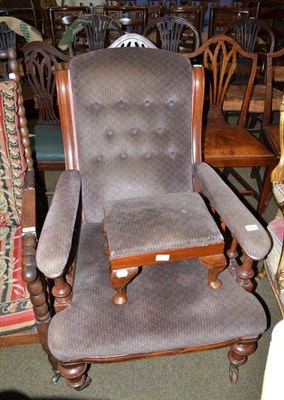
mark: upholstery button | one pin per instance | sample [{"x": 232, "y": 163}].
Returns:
[
  {"x": 160, "y": 129},
  {"x": 172, "y": 154},
  {"x": 120, "y": 104},
  {"x": 134, "y": 131},
  {"x": 110, "y": 132},
  {"x": 171, "y": 103},
  {"x": 100, "y": 157},
  {"x": 148, "y": 155},
  {"x": 147, "y": 103},
  {"x": 123, "y": 155},
  {"x": 97, "y": 106}
]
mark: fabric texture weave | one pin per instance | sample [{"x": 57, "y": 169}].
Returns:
[{"x": 169, "y": 306}]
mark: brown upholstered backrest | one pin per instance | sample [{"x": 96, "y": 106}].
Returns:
[{"x": 132, "y": 113}]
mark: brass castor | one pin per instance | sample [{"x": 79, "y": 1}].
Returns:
[
  {"x": 55, "y": 378},
  {"x": 86, "y": 384},
  {"x": 234, "y": 374}
]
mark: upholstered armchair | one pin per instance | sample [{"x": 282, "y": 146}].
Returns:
[{"x": 129, "y": 214}]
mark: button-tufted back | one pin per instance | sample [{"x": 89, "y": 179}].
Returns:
[{"x": 132, "y": 112}]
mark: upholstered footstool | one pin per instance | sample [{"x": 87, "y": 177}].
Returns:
[{"x": 157, "y": 229}]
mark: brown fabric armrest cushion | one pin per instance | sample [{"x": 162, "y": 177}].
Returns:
[
  {"x": 248, "y": 231},
  {"x": 56, "y": 236}
]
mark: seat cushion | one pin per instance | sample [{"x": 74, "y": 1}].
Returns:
[
  {"x": 16, "y": 310},
  {"x": 12, "y": 163},
  {"x": 152, "y": 224},
  {"x": 169, "y": 307},
  {"x": 48, "y": 143}
]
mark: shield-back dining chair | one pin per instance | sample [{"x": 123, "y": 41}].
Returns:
[
  {"x": 173, "y": 34},
  {"x": 41, "y": 60},
  {"x": 228, "y": 145}
]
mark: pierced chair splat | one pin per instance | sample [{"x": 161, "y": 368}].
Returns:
[
  {"x": 41, "y": 60},
  {"x": 174, "y": 34},
  {"x": 253, "y": 36},
  {"x": 98, "y": 29},
  {"x": 132, "y": 40}
]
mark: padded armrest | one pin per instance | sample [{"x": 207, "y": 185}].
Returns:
[
  {"x": 56, "y": 236},
  {"x": 248, "y": 231}
]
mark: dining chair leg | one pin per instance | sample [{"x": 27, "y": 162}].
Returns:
[{"x": 266, "y": 192}]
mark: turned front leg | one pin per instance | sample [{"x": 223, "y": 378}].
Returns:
[
  {"x": 76, "y": 375},
  {"x": 232, "y": 254},
  {"x": 119, "y": 278},
  {"x": 215, "y": 264},
  {"x": 238, "y": 356}
]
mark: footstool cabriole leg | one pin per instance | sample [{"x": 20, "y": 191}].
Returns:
[
  {"x": 119, "y": 278},
  {"x": 215, "y": 264}
]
